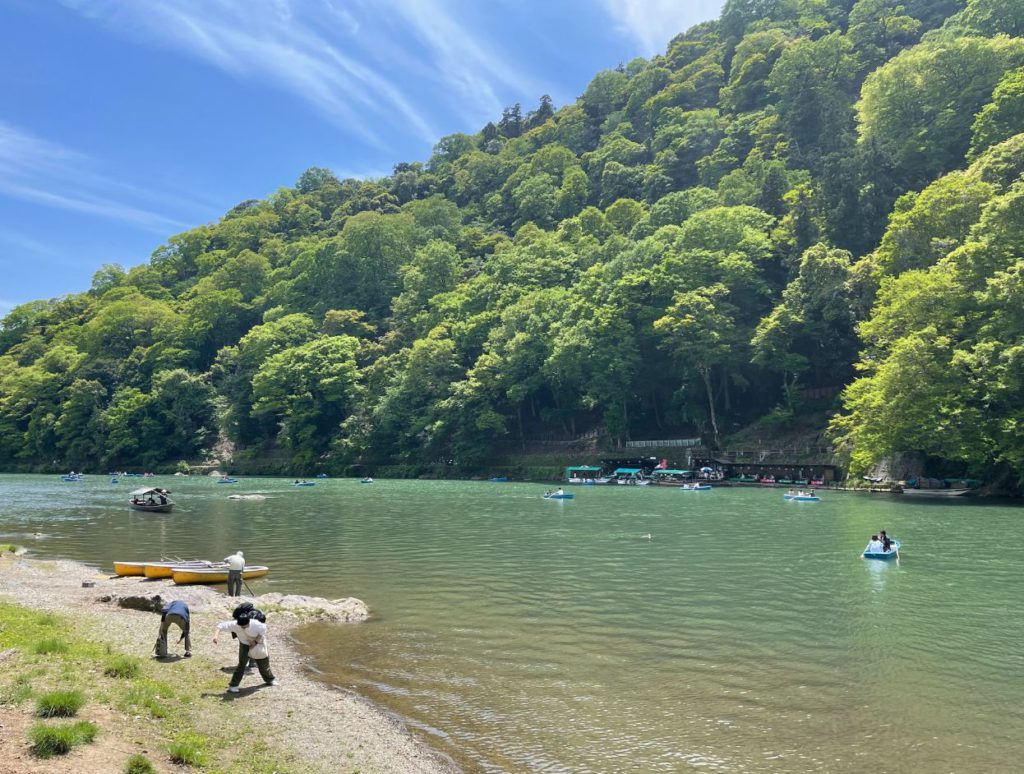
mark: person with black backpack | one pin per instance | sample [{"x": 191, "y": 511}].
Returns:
[{"x": 253, "y": 613}]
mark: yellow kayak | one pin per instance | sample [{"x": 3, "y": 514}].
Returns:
[
  {"x": 166, "y": 569},
  {"x": 186, "y": 575},
  {"x": 129, "y": 568}
]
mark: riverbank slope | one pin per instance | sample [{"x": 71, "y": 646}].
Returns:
[{"x": 300, "y": 725}]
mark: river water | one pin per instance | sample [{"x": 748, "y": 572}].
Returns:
[{"x": 631, "y": 629}]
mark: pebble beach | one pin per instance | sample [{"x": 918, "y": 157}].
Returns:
[{"x": 318, "y": 727}]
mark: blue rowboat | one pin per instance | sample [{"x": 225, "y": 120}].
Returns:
[
  {"x": 559, "y": 496},
  {"x": 70, "y": 478},
  {"x": 304, "y": 483},
  {"x": 227, "y": 480},
  {"x": 801, "y": 498},
  {"x": 366, "y": 480},
  {"x": 695, "y": 487},
  {"x": 892, "y": 553},
  {"x": 499, "y": 479}
]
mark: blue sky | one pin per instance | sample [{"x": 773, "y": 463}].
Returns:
[{"x": 123, "y": 122}]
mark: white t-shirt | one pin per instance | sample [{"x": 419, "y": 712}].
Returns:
[
  {"x": 248, "y": 635},
  {"x": 875, "y": 547},
  {"x": 235, "y": 562}
]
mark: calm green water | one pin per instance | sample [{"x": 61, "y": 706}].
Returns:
[{"x": 632, "y": 629}]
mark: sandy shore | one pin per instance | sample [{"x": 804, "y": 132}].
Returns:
[{"x": 322, "y": 728}]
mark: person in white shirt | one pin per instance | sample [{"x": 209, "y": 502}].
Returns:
[
  {"x": 875, "y": 546},
  {"x": 252, "y": 642},
  {"x": 236, "y": 563}
]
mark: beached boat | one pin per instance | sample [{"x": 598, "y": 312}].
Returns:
[
  {"x": 166, "y": 569},
  {"x": 559, "y": 496},
  {"x": 892, "y": 553},
  {"x": 695, "y": 487},
  {"x": 152, "y": 499},
  {"x": 129, "y": 568},
  {"x": 801, "y": 497},
  {"x": 188, "y": 575}
]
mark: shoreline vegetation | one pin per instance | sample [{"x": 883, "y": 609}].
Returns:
[{"x": 77, "y": 678}]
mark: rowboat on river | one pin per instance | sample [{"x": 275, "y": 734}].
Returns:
[
  {"x": 151, "y": 499},
  {"x": 892, "y": 553}
]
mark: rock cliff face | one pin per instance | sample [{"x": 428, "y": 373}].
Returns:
[{"x": 899, "y": 467}]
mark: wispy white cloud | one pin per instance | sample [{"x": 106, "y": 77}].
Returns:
[
  {"x": 653, "y": 23},
  {"x": 462, "y": 56},
  {"x": 34, "y": 169},
  {"x": 25, "y": 243},
  {"x": 270, "y": 40},
  {"x": 361, "y": 64}
]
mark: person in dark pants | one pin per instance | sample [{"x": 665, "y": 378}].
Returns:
[
  {"x": 176, "y": 613},
  {"x": 252, "y": 641},
  {"x": 236, "y": 564}
]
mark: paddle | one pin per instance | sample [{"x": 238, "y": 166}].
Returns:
[{"x": 247, "y": 588}]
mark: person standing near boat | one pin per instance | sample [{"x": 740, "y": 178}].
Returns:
[
  {"x": 252, "y": 643},
  {"x": 177, "y": 613},
  {"x": 236, "y": 563}
]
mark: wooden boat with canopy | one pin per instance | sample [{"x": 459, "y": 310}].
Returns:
[{"x": 152, "y": 499}]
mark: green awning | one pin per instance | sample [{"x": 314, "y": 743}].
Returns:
[
  {"x": 627, "y": 470},
  {"x": 583, "y": 469},
  {"x": 669, "y": 472}
]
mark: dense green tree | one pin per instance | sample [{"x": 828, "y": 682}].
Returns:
[{"x": 921, "y": 104}]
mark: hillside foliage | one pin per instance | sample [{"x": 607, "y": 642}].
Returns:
[{"x": 802, "y": 194}]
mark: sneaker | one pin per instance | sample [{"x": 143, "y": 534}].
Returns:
[
  {"x": 272, "y": 682},
  {"x": 232, "y": 689},
  {"x": 188, "y": 654}
]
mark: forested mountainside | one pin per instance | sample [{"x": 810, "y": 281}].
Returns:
[{"x": 801, "y": 197}]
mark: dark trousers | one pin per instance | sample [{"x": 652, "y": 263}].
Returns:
[
  {"x": 243, "y": 660},
  {"x": 234, "y": 583},
  {"x": 172, "y": 618}
]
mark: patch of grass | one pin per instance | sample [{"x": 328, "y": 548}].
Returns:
[
  {"x": 59, "y": 704},
  {"x": 48, "y": 740},
  {"x": 139, "y": 764},
  {"x": 50, "y": 645},
  {"x": 147, "y": 696},
  {"x": 18, "y": 691},
  {"x": 8, "y": 548},
  {"x": 188, "y": 749},
  {"x": 124, "y": 667}
]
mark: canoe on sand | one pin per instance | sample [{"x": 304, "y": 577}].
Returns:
[
  {"x": 166, "y": 569},
  {"x": 186, "y": 575}
]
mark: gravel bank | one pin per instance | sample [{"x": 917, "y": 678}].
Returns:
[{"x": 328, "y": 730}]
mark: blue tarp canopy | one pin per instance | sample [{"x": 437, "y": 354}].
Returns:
[
  {"x": 670, "y": 472},
  {"x": 583, "y": 468},
  {"x": 627, "y": 470}
]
